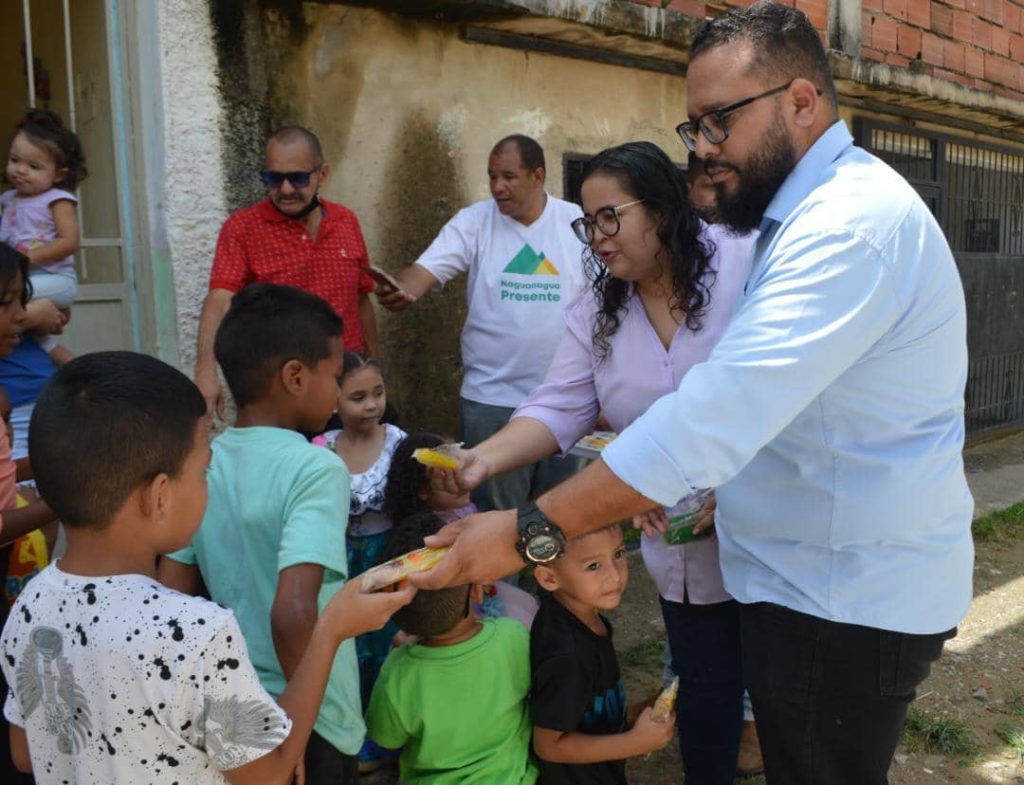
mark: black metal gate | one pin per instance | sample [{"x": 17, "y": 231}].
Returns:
[{"x": 976, "y": 191}]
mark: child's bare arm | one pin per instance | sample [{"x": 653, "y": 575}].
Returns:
[
  {"x": 179, "y": 576},
  {"x": 19, "y": 750},
  {"x": 66, "y": 220},
  {"x": 294, "y": 613},
  {"x": 647, "y": 735},
  {"x": 19, "y": 522},
  {"x": 350, "y": 613},
  {"x": 61, "y": 355}
]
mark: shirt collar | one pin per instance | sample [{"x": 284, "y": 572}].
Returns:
[{"x": 807, "y": 172}]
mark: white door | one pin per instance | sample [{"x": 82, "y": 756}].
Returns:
[{"x": 73, "y": 48}]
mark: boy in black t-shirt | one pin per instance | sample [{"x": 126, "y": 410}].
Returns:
[{"x": 577, "y": 703}]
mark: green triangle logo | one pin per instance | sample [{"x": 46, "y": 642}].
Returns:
[{"x": 525, "y": 262}]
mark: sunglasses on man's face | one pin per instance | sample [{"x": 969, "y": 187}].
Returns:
[{"x": 272, "y": 179}]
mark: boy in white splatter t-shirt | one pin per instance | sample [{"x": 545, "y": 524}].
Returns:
[{"x": 115, "y": 678}]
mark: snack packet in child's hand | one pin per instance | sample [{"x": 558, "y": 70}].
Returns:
[
  {"x": 401, "y": 567},
  {"x": 666, "y": 702},
  {"x": 440, "y": 457}
]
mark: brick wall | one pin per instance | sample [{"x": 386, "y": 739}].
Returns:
[
  {"x": 975, "y": 43},
  {"x": 816, "y": 10}
]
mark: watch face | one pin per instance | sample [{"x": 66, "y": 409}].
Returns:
[{"x": 542, "y": 548}]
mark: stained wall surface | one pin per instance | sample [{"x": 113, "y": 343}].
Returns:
[{"x": 407, "y": 113}]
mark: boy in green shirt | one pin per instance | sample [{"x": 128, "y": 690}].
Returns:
[
  {"x": 456, "y": 700},
  {"x": 272, "y": 543}
]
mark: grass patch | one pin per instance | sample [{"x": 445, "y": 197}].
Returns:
[
  {"x": 646, "y": 654},
  {"x": 1000, "y": 526},
  {"x": 1013, "y": 736},
  {"x": 944, "y": 735},
  {"x": 1015, "y": 702}
]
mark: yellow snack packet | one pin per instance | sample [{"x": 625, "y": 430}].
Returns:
[
  {"x": 401, "y": 567},
  {"x": 437, "y": 457},
  {"x": 666, "y": 702}
]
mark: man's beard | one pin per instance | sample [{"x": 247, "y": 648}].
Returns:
[{"x": 759, "y": 181}]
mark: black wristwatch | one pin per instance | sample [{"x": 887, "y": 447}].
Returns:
[{"x": 540, "y": 541}]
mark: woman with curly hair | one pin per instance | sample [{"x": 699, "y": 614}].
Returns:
[{"x": 663, "y": 285}]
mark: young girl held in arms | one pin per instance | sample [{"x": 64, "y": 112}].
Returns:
[{"x": 44, "y": 164}]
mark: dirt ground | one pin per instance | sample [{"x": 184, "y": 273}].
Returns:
[{"x": 979, "y": 680}]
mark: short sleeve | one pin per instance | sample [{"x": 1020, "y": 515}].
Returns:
[
  {"x": 383, "y": 721},
  {"x": 12, "y": 710},
  {"x": 559, "y": 694},
  {"x": 453, "y": 250},
  {"x": 566, "y": 402},
  {"x": 230, "y": 260},
  {"x": 58, "y": 195},
  {"x": 230, "y": 715},
  {"x": 186, "y": 555},
  {"x": 316, "y": 515}
]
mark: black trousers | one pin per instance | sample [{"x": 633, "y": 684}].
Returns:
[
  {"x": 830, "y": 699},
  {"x": 325, "y": 765},
  {"x": 705, "y": 645}
]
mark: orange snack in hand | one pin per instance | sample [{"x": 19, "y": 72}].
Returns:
[
  {"x": 437, "y": 457},
  {"x": 401, "y": 567},
  {"x": 666, "y": 702}
]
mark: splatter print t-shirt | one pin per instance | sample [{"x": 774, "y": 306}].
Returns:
[{"x": 118, "y": 679}]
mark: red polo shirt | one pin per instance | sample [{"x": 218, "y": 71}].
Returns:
[{"x": 261, "y": 244}]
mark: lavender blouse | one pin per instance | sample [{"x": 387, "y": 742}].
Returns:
[{"x": 634, "y": 374}]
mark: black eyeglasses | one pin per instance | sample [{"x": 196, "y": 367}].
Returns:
[
  {"x": 273, "y": 179},
  {"x": 606, "y": 219},
  {"x": 712, "y": 124}
]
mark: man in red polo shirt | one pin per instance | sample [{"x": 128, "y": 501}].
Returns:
[{"x": 294, "y": 238}]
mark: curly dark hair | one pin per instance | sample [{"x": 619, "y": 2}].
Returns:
[
  {"x": 645, "y": 172},
  {"x": 45, "y": 128},
  {"x": 12, "y": 264},
  {"x": 408, "y": 478}
]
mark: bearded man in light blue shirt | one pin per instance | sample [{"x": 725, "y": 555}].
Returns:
[{"x": 829, "y": 418}]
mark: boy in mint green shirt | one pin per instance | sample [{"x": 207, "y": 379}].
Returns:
[
  {"x": 456, "y": 700},
  {"x": 272, "y": 543}
]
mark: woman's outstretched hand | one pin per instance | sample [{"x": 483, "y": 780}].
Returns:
[
  {"x": 656, "y": 522},
  {"x": 473, "y": 472},
  {"x": 652, "y": 523}
]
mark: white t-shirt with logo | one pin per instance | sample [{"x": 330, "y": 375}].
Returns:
[
  {"x": 520, "y": 280},
  {"x": 119, "y": 679}
]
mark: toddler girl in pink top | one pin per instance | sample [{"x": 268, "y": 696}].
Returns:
[{"x": 39, "y": 218}]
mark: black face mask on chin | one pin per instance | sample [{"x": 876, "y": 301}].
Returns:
[{"x": 313, "y": 204}]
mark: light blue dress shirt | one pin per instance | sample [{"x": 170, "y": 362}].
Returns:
[{"x": 830, "y": 415}]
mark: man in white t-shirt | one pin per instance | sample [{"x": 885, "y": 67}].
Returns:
[{"x": 524, "y": 266}]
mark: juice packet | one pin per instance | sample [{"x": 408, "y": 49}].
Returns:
[
  {"x": 591, "y": 445},
  {"x": 401, "y": 567},
  {"x": 440, "y": 457},
  {"x": 665, "y": 702},
  {"x": 683, "y": 517}
]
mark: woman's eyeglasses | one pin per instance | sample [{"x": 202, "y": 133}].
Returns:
[
  {"x": 606, "y": 219},
  {"x": 272, "y": 179}
]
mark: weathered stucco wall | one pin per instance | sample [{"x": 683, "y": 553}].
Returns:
[
  {"x": 407, "y": 113},
  {"x": 193, "y": 179}
]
